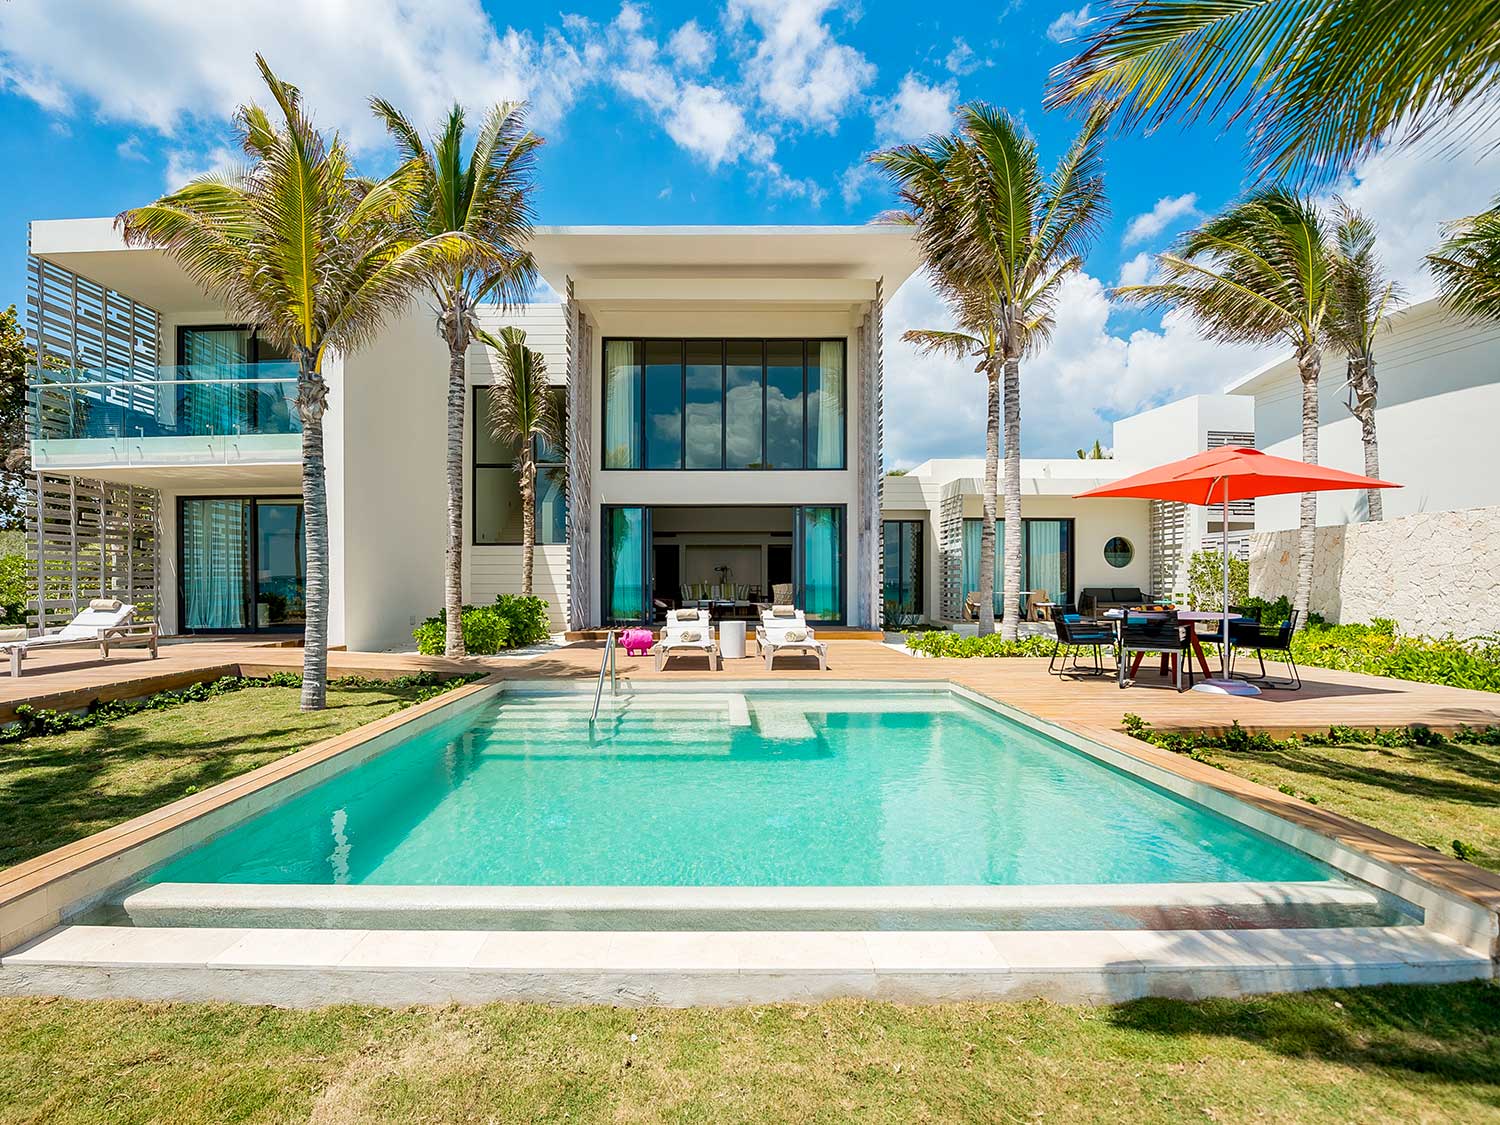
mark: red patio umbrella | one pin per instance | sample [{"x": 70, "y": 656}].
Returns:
[{"x": 1221, "y": 475}]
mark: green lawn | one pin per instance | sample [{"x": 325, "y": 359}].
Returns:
[
  {"x": 1432, "y": 790},
  {"x": 1388, "y": 1054},
  {"x": 58, "y": 788}
]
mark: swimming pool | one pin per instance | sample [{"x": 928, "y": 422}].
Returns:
[{"x": 832, "y": 788}]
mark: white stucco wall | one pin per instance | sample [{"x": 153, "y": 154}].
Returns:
[
  {"x": 1432, "y": 572},
  {"x": 1439, "y": 400}
]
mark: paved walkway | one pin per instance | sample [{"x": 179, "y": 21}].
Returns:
[{"x": 74, "y": 679}]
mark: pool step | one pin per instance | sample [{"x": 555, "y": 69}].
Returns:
[
  {"x": 1120, "y": 907},
  {"x": 310, "y": 967}
]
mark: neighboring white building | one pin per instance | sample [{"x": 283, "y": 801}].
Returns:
[
  {"x": 933, "y": 516},
  {"x": 1439, "y": 402},
  {"x": 722, "y": 387}
]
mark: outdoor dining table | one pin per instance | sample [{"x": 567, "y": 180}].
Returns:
[{"x": 1189, "y": 617}]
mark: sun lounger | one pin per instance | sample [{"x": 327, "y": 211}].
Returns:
[
  {"x": 687, "y": 631},
  {"x": 785, "y": 629},
  {"x": 105, "y": 624}
]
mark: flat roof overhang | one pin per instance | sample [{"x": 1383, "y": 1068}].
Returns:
[
  {"x": 840, "y": 262},
  {"x": 94, "y": 249}
]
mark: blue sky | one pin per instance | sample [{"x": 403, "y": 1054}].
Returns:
[{"x": 740, "y": 111}]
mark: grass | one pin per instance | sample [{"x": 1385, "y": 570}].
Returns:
[
  {"x": 1399, "y": 1054},
  {"x": 58, "y": 788},
  {"x": 1413, "y": 783}
]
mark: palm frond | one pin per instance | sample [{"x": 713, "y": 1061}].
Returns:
[
  {"x": 1467, "y": 265},
  {"x": 1362, "y": 295},
  {"x": 524, "y": 407}
]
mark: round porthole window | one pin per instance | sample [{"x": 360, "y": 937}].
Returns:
[{"x": 1118, "y": 551}]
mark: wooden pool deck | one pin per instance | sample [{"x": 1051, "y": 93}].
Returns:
[{"x": 67, "y": 680}]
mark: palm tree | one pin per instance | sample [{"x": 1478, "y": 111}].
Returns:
[
  {"x": 318, "y": 259},
  {"x": 486, "y": 197},
  {"x": 1322, "y": 81},
  {"x": 1362, "y": 296},
  {"x": 1095, "y": 454},
  {"x": 1467, "y": 265},
  {"x": 999, "y": 239},
  {"x": 1260, "y": 273},
  {"x": 522, "y": 410}
]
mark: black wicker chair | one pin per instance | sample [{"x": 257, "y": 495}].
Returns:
[
  {"x": 1073, "y": 636},
  {"x": 1159, "y": 633},
  {"x": 1262, "y": 639}
]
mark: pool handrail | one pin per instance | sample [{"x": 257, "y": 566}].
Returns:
[{"x": 606, "y": 661}]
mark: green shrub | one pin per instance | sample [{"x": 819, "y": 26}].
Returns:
[
  {"x": 1206, "y": 580},
  {"x": 514, "y": 620},
  {"x": 1380, "y": 650},
  {"x": 951, "y": 644},
  {"x": 13, "y": 588}
]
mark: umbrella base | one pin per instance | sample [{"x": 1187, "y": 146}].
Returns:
[{"x": 1227, "y": 687}]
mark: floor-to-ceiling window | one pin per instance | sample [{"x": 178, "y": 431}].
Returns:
[
  {"x": 901, "y": 582},
  {"x": 626, "y": 575},
  {"x": 242, "y": 564},
  {"x": 725, "y": 404},
  {"x": 818, "y": 551},
  {"x": 1046, "y": 559},
  {"x": 496, "y": 483}
]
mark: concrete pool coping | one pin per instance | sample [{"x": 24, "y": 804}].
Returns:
[{"x": 1458, "y": 900}]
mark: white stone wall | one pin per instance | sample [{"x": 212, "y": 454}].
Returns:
[{"x": 1433, "y": 572}]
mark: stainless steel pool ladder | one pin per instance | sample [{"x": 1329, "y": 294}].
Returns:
[{"x": 608, "y": 661}]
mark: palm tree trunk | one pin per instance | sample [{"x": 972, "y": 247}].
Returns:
[
  {"x": 1011, "y": 629},
  {"x": 528, "y": 516},
  {"x": 1309, "y": 366},
  {"x": 453, "y": 575},
  {"x": 312, "y": 402},
  {"x": 991, "y": 484},
  {"x": 1362, "y": 383}
]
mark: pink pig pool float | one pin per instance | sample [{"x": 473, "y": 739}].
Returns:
[{"x": 637, "y": 642}]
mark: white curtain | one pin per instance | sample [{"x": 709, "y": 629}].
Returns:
[
  {"x": 1044, "y": 557},
  {"x": 829, "y": 453},
  {"x": 622, "y": 405}
]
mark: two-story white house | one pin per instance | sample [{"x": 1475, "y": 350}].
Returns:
[{"x": 723, "y": 398}]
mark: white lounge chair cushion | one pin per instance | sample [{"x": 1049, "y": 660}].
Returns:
[{"x": 87, "y": 624}]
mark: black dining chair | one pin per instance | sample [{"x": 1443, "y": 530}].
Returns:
[
  {"x": 1262, "y": 639},
  {"x": 1152, "y": 632},
  {"x": 1074, "y": 634}
]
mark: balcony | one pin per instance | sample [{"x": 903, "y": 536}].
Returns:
[{"x": 151, "y": 428}]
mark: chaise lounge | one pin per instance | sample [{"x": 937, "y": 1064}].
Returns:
[
  {"x": 687, "y": 631},
  {"x": 105, "y": 624},
  {"x": 783, "y": 628}
]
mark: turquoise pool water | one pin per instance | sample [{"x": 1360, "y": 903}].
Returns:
[{"x": 822, "y": 788}]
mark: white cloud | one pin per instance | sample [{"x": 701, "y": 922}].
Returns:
[
  {"x": 1068, "y": 25},
  {"x": 188, "y": 164},
  {"x": 691, "y": 46},
  {"x": 1138, "y": 269},
  {"x": 962, "y": 58},
  {"x": 706, "y": 122},
  {"x": 172, "y": 67},
  {"x": 916, "y": 110},
  {"x": 800, "y": 72},
  {"x": 856, "y": 180},
  {"x": 130, "y": 149},
  {"x": 1168, "y": 210}
]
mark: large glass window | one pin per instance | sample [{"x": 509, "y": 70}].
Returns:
[
  {"x": 744, "y": 399},
  {"x": 820, "y": 545},
  {"x": 724, "y": 404},
  {"x": 1046, "y": 559},
  {"x": 626, "y": 534},
  {"x": 496, "y": 485},
  {"x": 242, "y": 561},
  {"x": 901, "y": 581},
  {"x": 704, "y": 447}
]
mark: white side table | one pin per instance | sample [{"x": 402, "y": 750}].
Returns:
[{"x": 732, "y": 639}]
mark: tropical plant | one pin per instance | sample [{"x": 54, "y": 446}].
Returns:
[
  {"x": 318, "y": 258},
  {"x": 522, "y": 411},
  {"x": 1467, "y": 264},
  {"x": 487, "y": 197},
  {"x": 1323, "y": 82},
  {"x": 999, "y": 239},
  {"x": 1095, "y": 454},
  {"x": 1362, "y": 298},
  {"x": 1260, "y": 273},
  {"x": 1206, "y": 580}
]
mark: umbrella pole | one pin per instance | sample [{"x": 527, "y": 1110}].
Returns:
[{"x": 1224, "y": 623}]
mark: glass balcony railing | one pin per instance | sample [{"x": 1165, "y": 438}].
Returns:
[{"x": 215, "y": 400}]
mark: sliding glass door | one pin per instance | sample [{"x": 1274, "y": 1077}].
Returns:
[
  {"x": 242, "y": 564},
  {"x": 1046, "y": 559},
  {"x": 818, "y": 556},
  {"x": 901, "y": 580},
  {"x": 627, "y": 565}
]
